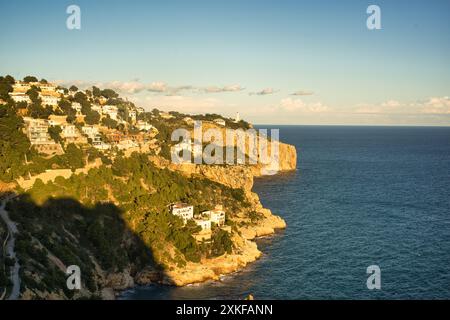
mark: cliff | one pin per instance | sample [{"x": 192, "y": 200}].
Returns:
[{"x": 246, "y": 251}]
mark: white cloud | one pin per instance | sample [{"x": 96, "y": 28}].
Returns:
[
  {"x": 135, "y": 86},
  {"x": 437, "y": 105},
  {"x": 216, "y": 89},
  {"x": 434, "y": 105},
  {"x": 263, "y": 92},
  {"x": 298, "y": 105},
  {"x": 302, "y": 93},
  {"x": 185, "y": 104}
]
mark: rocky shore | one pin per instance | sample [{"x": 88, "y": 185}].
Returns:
[{"x": 246, "y": 250}]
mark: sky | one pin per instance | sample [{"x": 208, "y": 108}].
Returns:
[{"x": 274, "y": 62}]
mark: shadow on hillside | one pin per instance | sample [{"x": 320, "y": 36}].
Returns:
[{"x": 62, "y": 232}]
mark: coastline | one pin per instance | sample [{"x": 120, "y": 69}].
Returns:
[{"x": 246, "y": 249}]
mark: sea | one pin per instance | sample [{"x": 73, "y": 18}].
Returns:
[{"x": 361, "y": 197}]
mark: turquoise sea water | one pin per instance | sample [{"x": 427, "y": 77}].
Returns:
[{"x": 361, "y": 196}]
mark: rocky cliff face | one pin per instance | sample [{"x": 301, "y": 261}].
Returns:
[
  {"x": 246, "y": 250},
  {"x": 235, "y": 176}
]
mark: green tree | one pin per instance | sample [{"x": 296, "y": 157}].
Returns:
[
  {"x": 29, "y": 79},
  {"x": 92, "y": 117},
  {"x": 109, "y": 93},
  {"x": 55, "y": 133},
  {"x": 108, "y": 122},
  {"x": 74, "y": 157},
  {"x": 13, "y": 145}
]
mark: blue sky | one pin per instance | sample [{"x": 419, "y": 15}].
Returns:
[{"x": 247, "y": 56}]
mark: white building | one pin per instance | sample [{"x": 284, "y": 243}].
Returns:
[
  {"x": 205, "y": 224},
  {"x": 126, "y": 144},
  {"x": 47, "y": 87},
  {"x": 238, "y": 118},
  {"x": 37, "y": 131},
  {"x": 99, "y": 144},
  {"x": 165, "y": 115},
  {"x": 20, "y": 97},
  {"x": 132, "y": 114},
  {"x": 54, "y": 120},
  {"x": 76, "y": 106},
  {"x": 184, "y": 211},
  {"x": 110, "y": 110},
  {"x": 220, "y": 122},
  {"x": 49, "y": 100},
  {"x": 20, "y": 86},
  {"x": 188, "y": 120},
  {"x": 216, "y": 216},
  {"x": 90, "y": 131},
  {"x": 97, "y": 108},
  {"x": 142, "y": 125},
  {"x": 69, "y": 131}
]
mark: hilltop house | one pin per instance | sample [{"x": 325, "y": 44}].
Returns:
[
  {"x": 216, "y": 216},
  {"x": 49, "y": 98},
  {"x": 20, "y": 97},
  {"x": 90, "y": 130},
  {"x": 99, "y": 144},
  {"x": 125, "y": 144},
  {"x": 54, "y": 120},
  {"x": 220, "y": 122},
  {"x": 37, "y": 132},
  {"x": 165, "y": 115},
  {"x": 132, "y": 114},
  {"x": 205, "y": 224},
  {"x": 96, "y": 108},
  {"x": 183, "y": 210},
  {"x": 110, "y": 110},
  {"x": 77, "y": 107},
  {"x": 69, "y": 131},
  {"x": 47, "y": 87},
  {"x": 20, "y": 86},
  {"x": 142, "y": 125},
  {"x": 188, "y": 120}
]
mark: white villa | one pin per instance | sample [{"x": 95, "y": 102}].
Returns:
[
  {"x": 37, "y": 131},
  {"x": 20, "y": 86},
  {"x": 97, "y": 108},
  {"x": 188, "y": 120},
  {"x": 142, "y": 125},
  {"x": 20, "y": 97},
  {"x": 216, "y": 216},
  {"x": 50, "y": 100},
  {"x": 183, "y": 210},
  {"x": 110, "y": 110},
  {"x": 47, "y": 86},
  {"x": 165, "y": 115},
  {"x": 69, "y": 131},
  {"x": 132, "y": 114},
  {"x": 77, "y": 107},
  {"x": 126, "y": 144},
  {"x": 205, "y": 224},
  {"x": 220, "y": 122},
  {"x": 90, "y": 131},
  {"x": 206, "y": 218},
  {"x": 99, "y": 144},
  {"x": 54, "y": 120}
]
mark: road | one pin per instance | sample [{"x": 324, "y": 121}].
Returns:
[{"x": 12, "y": 229}]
